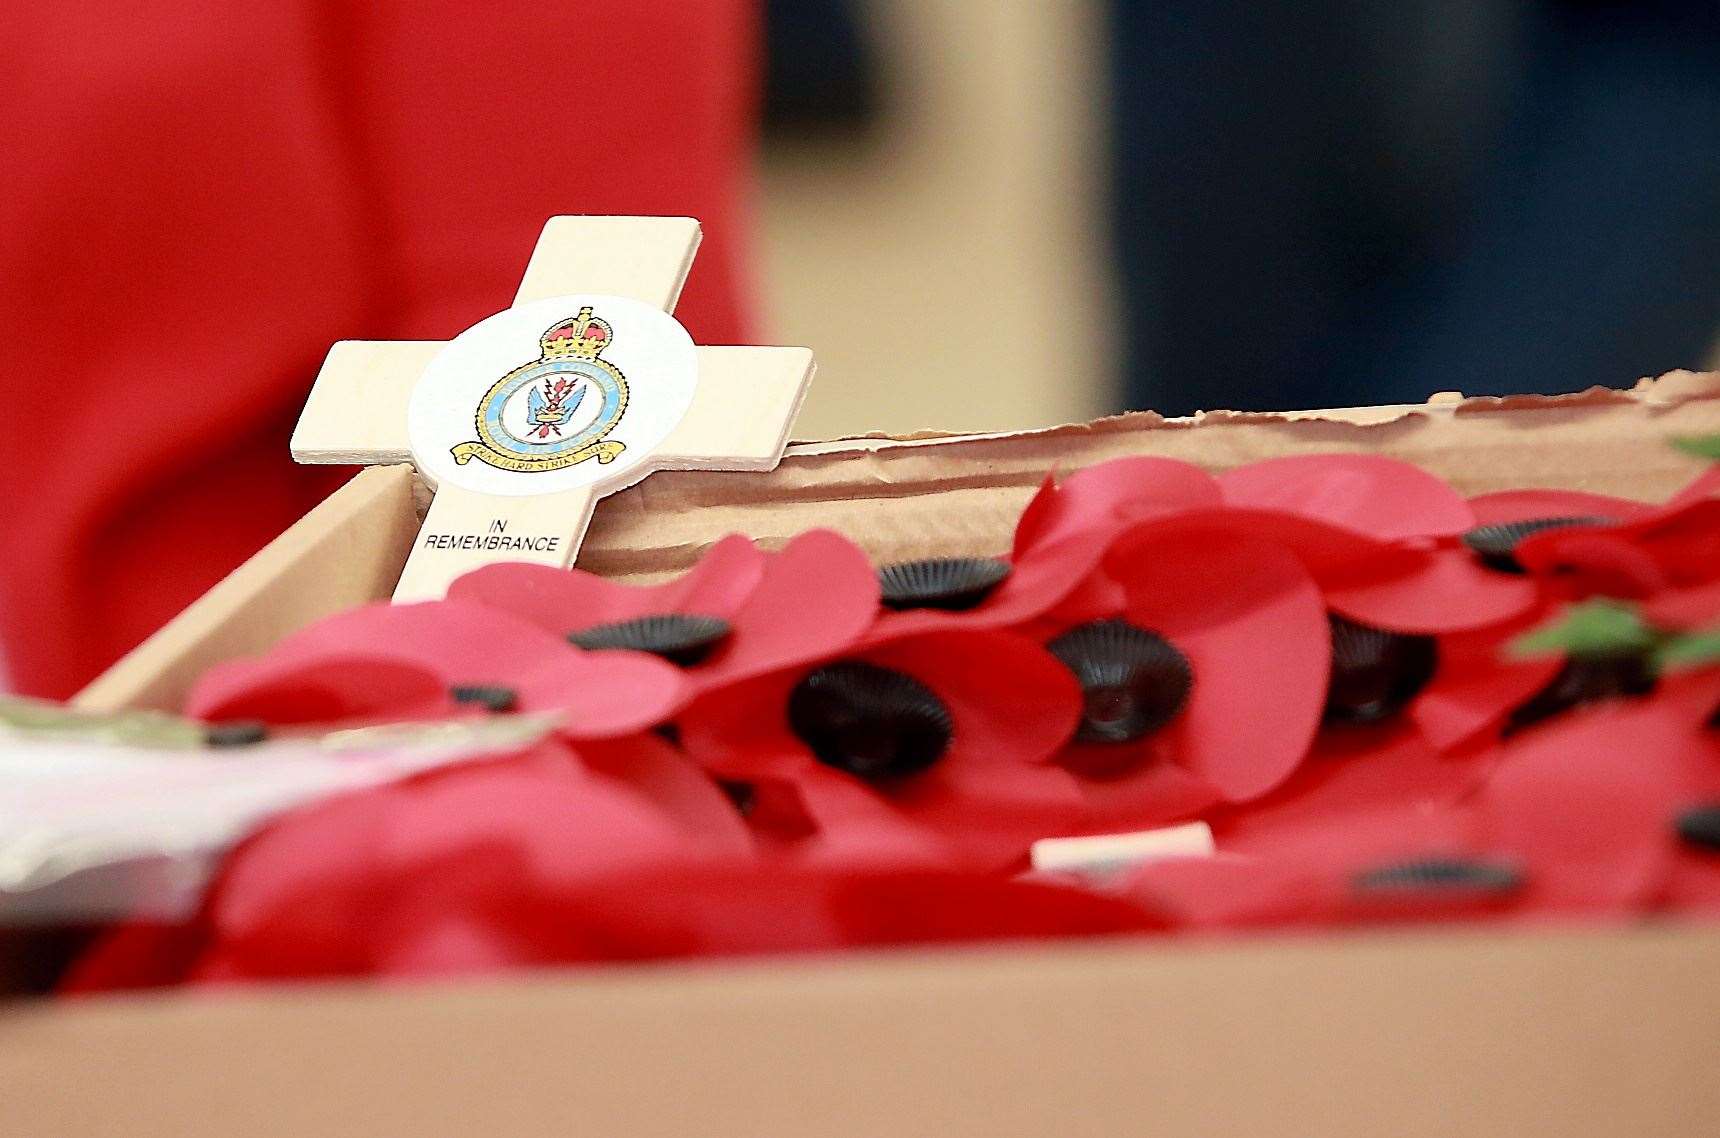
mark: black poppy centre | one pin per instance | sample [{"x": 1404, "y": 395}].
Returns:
[
  {"x": 1133, "y": 682},
  {"x": 680, "y": 638},
  {"x": 1582, "y": 680},
  {"x": 952, "y": 583},
  {"x": 872, "y": 722},
  {"x": 1375, "y": 673},
  {"x": 490, "y": 697},
  {"x": 1700, "y": 827},
  {"x": 1436, "y": 877},
  {"x": 1496, "y": 544},
  {"x": 235, "y": 733}
]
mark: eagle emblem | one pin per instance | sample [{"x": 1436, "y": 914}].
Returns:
[{"x": 539, "y": 416}]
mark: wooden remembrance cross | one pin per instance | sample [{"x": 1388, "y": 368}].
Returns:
[{"x": 582, "y": 388}]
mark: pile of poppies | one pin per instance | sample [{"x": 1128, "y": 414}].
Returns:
[{"x": 1387, "y": 701}]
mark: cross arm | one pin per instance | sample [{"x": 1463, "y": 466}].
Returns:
[
  {"x": 356, "y": 413},
  {"x": 642, "y": 258},
  {"x": 742, "y": 413}
]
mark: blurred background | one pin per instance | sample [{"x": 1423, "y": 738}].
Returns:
[
  {"x": 1068, "y": 207},
  {"x": 981, "y": 214}
]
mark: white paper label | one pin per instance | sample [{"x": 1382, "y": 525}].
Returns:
[{"x": 1105, "y": 855}]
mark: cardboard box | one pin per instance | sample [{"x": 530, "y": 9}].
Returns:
[{"x": 1567, "y": 1032}]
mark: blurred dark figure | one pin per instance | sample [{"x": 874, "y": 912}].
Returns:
[
  {"x": 1336, "y": 203},
  {"x": 820, "y": 69}
]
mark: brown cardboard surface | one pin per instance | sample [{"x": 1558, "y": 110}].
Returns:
[{"x": 1574, "y": 1035}]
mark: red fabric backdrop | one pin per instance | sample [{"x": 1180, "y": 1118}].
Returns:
[{"x": 196, "y": 202}]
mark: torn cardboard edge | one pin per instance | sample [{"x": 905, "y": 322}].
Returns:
[
  {"x": 924, "y": 495},
  {"x": 1672, "y": 388}
]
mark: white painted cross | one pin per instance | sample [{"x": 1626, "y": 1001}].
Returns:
[{"x": 582, "y": 388}]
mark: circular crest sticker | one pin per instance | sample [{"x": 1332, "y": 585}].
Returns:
[{"x": 552, "y": 395}]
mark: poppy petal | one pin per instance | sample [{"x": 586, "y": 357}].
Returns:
[
  {"x": 1157, "y": 791},
  {"x": 741, "y": 732},
  {"x": 1327, "y": 551},
  {"x": 1477, "y": 683},
  {"x": 328, "y": 690},
  {"x": 1503, "y": 506},
  {"x": 976, "y": 819},
  {"x": 616, "y": 693},
  {"x": 1587, "y": 562},
  {"x": 816, "y": 596},
  {"x": 1447, "y": 590},
  {"x": 1578, "y": 802},
  {"x": 977, "y": 673},
  {"x": 856, "y": 827},
  {"x": 651, "y": 767},
  {"x": 1678, "y": 545},
  {"x": 682, "y": 911},
  {"x": 1110, "y": 494},
  {"x": 560, "y": 601},
  {"x": 309, "y": 893},
  {"x": 1371, "y": 494},
  {"x": 1684, "y": 609},
  {"x": 1044, "y": 577},
  {"x": 1352, "y": 772},
  {"x": 1252, "y": 624}
]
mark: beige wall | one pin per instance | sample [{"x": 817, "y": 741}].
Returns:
[{"x": 947, "y": 271}]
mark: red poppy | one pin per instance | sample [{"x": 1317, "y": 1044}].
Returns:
[
  {"x": 1639, "y": 551},
  {"x": 772, "y": 611},
  {"x": 1379, "y": 535},
  {"x": 1249, "y": 627},
  {"x": 1593, "y": 803},
  {"x": 1059, "y": 541},
  {"x": 1685, "y": 740},
  {"x": 1351, "y": 533},
  {"x": 1376, "y": 534},
  {"x": 927, "y": 749},
  {"x": 1502, "y": 506},
  {"x": 422, "y": 660},
  {"x": 1310, "y": 876},
  {"x": 1582, "y": 819},
  {"x": 1414, "y": 577},
  {"x": 1368, "y": 528},
  {"x": 416, "y": 877},
  {"x": 1478, "y": 681},
  {"x": 1585, "y": 818},
  {"x": 494, "y": 918},
  {"x": 1675, "y": 547}
]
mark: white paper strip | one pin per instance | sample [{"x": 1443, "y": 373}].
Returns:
[
  {"x": 90, "y": 831},
  {"x": 1106, "y": 855}
]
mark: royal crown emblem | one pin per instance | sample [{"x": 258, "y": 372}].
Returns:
[{"x": 557, "y": 410}]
